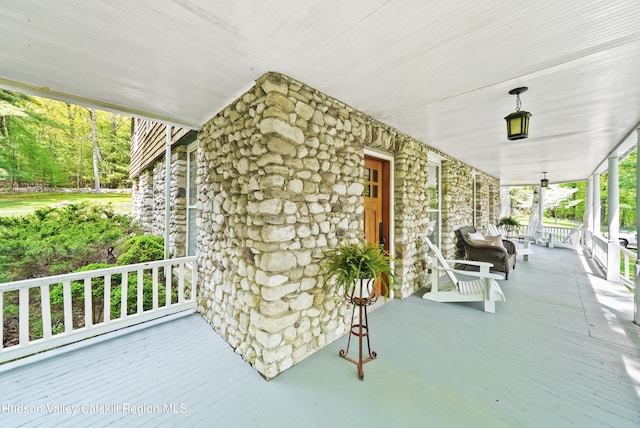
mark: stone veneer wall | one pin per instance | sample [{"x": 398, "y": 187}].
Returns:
[
  {"x": 280, "y": 183},
  {"x": 411, "y": 216},
  {"x": 142, "y": 200},
  {"x": 148, "y": 200},
  {"x": 178, "y": 186},
  {"x": 280, "y": 174},
  {"x": 457, "y": 206}
]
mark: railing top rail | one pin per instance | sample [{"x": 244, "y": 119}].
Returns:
[
  {"x": 35, "y": 282},
  {"x": 600, "y": 238},
  {"x": 547, "y": 226},
  {"x": 629, "y": 253}
]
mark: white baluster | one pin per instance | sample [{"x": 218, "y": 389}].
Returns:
[
  {"x": 167, "y": 274},
  {"x": 125, "y": 293},
  {"x": 154, "y": 275},
  {"x": 68, "y": 309},
  {"x": 45, "y": 304},
  {"x": 24, "y": 316},
  {"x": 107, "y": 299},
  {"x": 140, "y": 290},
  {"x": 88, "y": 300},
  {"x": 181, "y": 284}
]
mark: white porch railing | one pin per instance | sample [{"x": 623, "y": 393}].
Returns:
[
  {"x": 557, "y": 234},
  {"x": 62, "y": 309},
  {"x": 628, "y": 258},
  {"x": 598, "y": 245},
  {"x": 600, "y": 250}
]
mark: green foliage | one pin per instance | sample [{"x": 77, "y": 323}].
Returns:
[
  {"x": 25, "y": 203},
  {"x": 140, "y": 249},
  {"x": 573, "y": 207},
  {"x": 11, "y": 310},
  {"x": 132, "y": 294},
  {"x": 359, "y": 261},
  {"x": 509, "y": 222},
  {"x": 97, "y": 293},
  {"x": 48, "y": 143},
  {"x": 58, "y": 240},
  {"x": 77, "y": 287},
  {"x": 77, "y": 237}
]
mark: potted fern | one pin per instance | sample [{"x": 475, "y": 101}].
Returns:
[
  {"x": 356, "y": 266},
  {"x": 508, "y": 223}
]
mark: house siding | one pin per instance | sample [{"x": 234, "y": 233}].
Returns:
[
  {"x": 148, "y": 200},
  {"x": 148, "y": 141},
  {"x": 280, "y": 174}
]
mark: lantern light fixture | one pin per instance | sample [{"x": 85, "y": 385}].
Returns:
[
  {"x": 518, "y": 121},
  {"x": 544, "y": 182}
]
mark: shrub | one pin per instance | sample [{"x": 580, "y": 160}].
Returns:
[
  {"x": 141, "y": 249},
  {"x": 77, "y": 237},
  {"x": 58, "y": 240}
]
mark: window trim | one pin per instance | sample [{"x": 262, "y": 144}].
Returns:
[{"x": 193, "y": 147}]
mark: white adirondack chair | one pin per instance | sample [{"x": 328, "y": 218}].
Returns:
[
  {"x": 483, "y": 288},
  {"x": 492, "y": 230},
  {"x": 534, "y": 234},
  {"x": 569, "y": 241}
]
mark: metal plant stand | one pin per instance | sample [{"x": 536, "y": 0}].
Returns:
[{"x": 362, "y": 296}]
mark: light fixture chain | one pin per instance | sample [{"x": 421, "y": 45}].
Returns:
[{"x": 517, "y": 102}]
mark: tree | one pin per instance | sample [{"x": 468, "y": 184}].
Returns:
[
  {"x": 559, "y": 196},
  {"x": 505, "y": 202},
  {"x": 557, "y": 199},
  {"x": 44, "y": 143},
  {"x": 627, "y": 185},
  {"x": 96, "y": 151}
]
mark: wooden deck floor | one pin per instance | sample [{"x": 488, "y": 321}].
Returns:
[{"x": 561, "y": 351}]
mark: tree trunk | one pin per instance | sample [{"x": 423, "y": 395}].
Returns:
[
  {"x": 72, "y": 138},
  {"x": 505, "y": 202},
  {"x": 534, "y": 217},
  {"x": 96, "y": 152}
]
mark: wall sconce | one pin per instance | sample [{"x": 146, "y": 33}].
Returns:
[
  {"x": 544, "y": 182},
  {"x": 518, "y": 121}
]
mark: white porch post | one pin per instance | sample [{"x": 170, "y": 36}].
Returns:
[
  {"x": 636, "y": 306},
  {"x": 597, "y": 209},
  {"x": 540, "y": 227},
  {"x": 167, "y": 191},
  {"x": 588, "y": 206},
  {"x": 613, "y": 264},
  {"x": 588, "y": 213}
]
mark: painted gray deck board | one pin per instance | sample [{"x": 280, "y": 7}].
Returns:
[{"x": 561, "y": 352}]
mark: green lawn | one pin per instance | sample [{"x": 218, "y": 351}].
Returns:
[{"x": 20, "y": 204}]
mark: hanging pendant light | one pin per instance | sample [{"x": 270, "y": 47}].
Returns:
[
  {"x": 518, "y": 121},
  {"x": 544, "y": 182}
]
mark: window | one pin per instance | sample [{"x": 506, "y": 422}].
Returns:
[
  {"x": 476, "y": 200},
  {"x": 192, "y": 198},
  {"x": 434, "y": 188}
]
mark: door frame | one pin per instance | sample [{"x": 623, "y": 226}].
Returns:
[{"x": 388, "y": 208}]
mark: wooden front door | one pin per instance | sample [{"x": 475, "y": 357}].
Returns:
[
  {"x": 376, "y": 203},
  {"x": 372, "y": 200}
]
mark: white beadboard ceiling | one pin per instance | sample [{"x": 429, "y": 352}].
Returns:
[{"x": 438, "y": 70}]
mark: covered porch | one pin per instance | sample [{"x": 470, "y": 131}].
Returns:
[{"x": 561, "y": 351}]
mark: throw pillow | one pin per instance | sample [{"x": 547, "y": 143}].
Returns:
[
  {"x": 475, "y": 236},
  {"x": 495, "y": 240},
  {"x": 481, "y": 242}
]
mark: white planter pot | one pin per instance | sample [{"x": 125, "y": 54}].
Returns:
[{"x": 362, "y": 289}]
